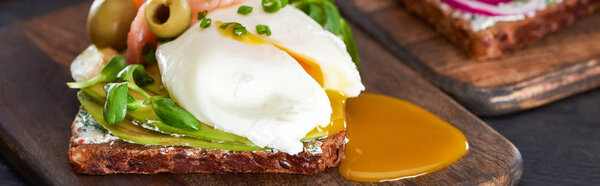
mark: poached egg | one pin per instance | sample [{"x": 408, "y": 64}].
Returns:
[
  {"x": 253, "y": 85},
  {"x": 298, "y": 34}
]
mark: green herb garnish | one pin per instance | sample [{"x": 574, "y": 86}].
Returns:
[
  {"x": 263, "y": 29},
  {"x": 244, "y": 10},
  {"x": 228, "y": 24},
  {"x": 326, "y": 13},
  {"x": 135, "y": 75},
  {"x": 348, "y": 38},
  {"x": 272, "y": 6},
  {"x": 173, "y": 115},
  {"x": 133, "y": 104},
  {"x": 149, "y": 51},
  {"x": 109, "y": 73},
  {"x": 118, "y": 103},
  {"x": 202, "y": 14},
  {"x": 205, "y": 22},
  {"x": 332, "y": 18},
  {"x": 115, "y": 107},
  {"x": 240, "y": 31}
]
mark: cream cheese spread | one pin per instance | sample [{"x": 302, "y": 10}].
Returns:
[
  {"x": 88, "y": 131},
  {"x": 482, "y": 22}
]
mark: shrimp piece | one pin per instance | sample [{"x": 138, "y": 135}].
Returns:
[{"x": 139, "y": 35}]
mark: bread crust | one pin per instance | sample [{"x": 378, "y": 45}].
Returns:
[
  {"x": 122, "y": 157},
  {"x": 503, "y": 37}
]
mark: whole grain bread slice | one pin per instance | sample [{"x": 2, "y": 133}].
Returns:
[
  {"x": 122, "y": 157},
  {"x": 503, "y": 37}
]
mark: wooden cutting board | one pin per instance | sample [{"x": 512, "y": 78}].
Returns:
[
  {"x": 562, "y": 64},
  {"x": 36, "y": 110}
]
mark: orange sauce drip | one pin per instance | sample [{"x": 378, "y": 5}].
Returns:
[
  {"x": 336, "y": 98},
  {"x": 391, "y": 139},
  {"x": 338, "y": 117},
  {"x": 309, "y": 64}
]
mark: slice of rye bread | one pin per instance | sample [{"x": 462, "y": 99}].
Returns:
[
  {"x": 503, "y": 37},
  {"x": 122, "y": 157}
]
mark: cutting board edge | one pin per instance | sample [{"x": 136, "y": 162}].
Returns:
[
  {"x": 21, "y": 159},
  {"x": 494, "y": 101},
  {"x": 480, "y": 100}
]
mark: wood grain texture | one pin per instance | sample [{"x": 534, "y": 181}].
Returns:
[
  {"x": 36, "y": 109},
  {"x": 562, "y": 64}
]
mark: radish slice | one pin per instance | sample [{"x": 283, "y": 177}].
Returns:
[
  {"x": 494, "y": 2},
  {"x": 482, "y": 8}
]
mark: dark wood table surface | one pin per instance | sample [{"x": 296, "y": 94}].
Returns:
[{"x": 559, "y": 142}]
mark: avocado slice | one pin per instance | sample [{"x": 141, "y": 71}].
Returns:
[
  {"x": 128, "y": 131},
  {"x": 147, "y": 117}
]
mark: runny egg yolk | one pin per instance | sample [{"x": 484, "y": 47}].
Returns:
[
  {"x": 336, "y": 98},
  {"x": 391, "y": 139},
  {"x": 338, "y": 117},
  {"x": 308, "y": 64}
]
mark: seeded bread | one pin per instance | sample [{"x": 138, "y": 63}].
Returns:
[
  {"x": 503, "y": 37},
  {"x": 122, "y": 157}
]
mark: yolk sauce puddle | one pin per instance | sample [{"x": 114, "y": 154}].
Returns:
[{"x": 391, "y": 139}]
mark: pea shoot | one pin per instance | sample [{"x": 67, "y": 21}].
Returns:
[
  {"x": 118, "y": 101},
  {"x": 263, "y": 29},
  {"x": 149, "y": 51},
  {"x": 133, "y": 104},
  {"x": 174, "y": 116},
  {"x": 109, "y": 73},
  {"x": 244, "y": 10},
  {"x": 115, "y": 107},
  {"x": 135, "y": 75},
  {"x": 272, "y": 6}
]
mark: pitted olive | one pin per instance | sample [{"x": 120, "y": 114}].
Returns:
[{"x": 168, "y": 18}]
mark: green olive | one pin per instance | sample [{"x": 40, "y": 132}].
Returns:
[
  {"x": 109, "y": 21},
  {"x": 168, "y": 18}
]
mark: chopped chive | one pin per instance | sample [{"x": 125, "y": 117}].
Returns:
[
  {"x": 234, "y": 24},
  {"x": 272, "y": 6},
  {"x": 202, "y": 14},
  {"x": 263, "y": 29},
  {"x": 240, "y": 31},
  {"x": 205, "y": 22},
  {"x": 244, "y": 10}
]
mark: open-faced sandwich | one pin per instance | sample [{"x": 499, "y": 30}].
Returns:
[
  {"x": 213, "y": 86},
  {"x": 492, "y": 28}
]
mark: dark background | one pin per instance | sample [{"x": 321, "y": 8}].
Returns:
[{"x": 559, "y": 142}]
